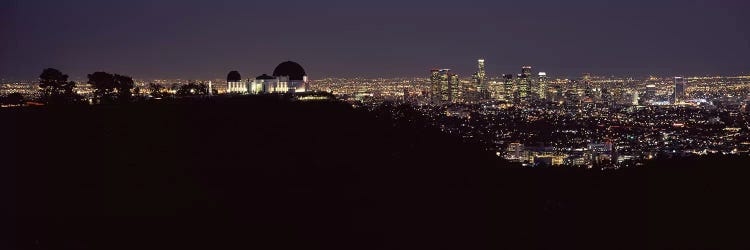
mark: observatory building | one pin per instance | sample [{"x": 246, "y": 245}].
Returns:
[{"x": 288, "y": 77}]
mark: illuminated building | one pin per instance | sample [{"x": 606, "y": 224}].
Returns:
[
  {"x": 524, "y": 84},
  {"x": 443, "y": 86},
  {"x": 235, "y": 84},
  {"x": 605, "y": 147},
  {"x": 679, "y": 89},
  {"x": 288, "y": 77},
  {"x": 515, "y": 152},
  {"x": 291, "y": 78},
  {"x": 435, "y": 87},
  {"x": 549, "y": 159},
  {"x": 482, "y": 88},
  {"x": 522, "y": 88},
  {"x": 453, "y": 88},
  {"x": 650, "y": 93},
  {"x": 641, "y": 132},
  {"x": 542, "y": 85},
  {"x": 585, "y": 89},
  {"x": 509, "y": 87},
  {"x": 480, "y": 73},
  {"x": 263, "y": 84},
  {"x": 496, "y": 89}
]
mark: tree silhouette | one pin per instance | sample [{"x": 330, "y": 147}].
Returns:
[
  {"x": 185, "y": 90},
  {"x": 192, "y": 89},
  {"x": 109, "y": 88},
  {"x": 175, "y": 87},
  {"x": 157, "y": 90},
  {"x": 104, "y": 87},
  {"x": 124, "y": 85},
  {"x": 202, "y": 89},
  {"x": 55, "y": 87}
]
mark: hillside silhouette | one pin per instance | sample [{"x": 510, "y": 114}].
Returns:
[{"x": 271, "y": 173}]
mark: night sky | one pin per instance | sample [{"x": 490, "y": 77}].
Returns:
[{"x": 192, "y": 39}]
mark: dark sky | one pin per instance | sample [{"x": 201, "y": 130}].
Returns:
[{"x": 205, "y": 39}]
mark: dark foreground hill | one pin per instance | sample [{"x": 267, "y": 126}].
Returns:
[{"x": 266, "y": 173}]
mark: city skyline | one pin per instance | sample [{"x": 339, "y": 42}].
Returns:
[
  {"x": 468, "y": 75},
  {"x": 148, "y": 40},
  {"x": 334, "y": 124}
]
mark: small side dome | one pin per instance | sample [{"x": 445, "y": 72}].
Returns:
[{"x": 234, "y": 76}]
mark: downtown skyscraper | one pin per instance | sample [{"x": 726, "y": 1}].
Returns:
[
  {"x": 443, "y": 86},
  {"x": 480, "y": 89},
  {"x": 524, "y": 84},
  {"x": 679, "y": 89},
  {"x": 542, "y": 85},
  {"x": 480, "y": 77},
  {"x": 509, "y": 87}
]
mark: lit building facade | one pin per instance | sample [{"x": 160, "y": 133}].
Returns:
[
  {"x": 509, "y": 87},
  {"x": 482, "y": 86},
  {"x": 443, "y": 86},
  {"x": 291, "y": 78},
  {"x": 542, "y": 85},
  {"x": 523, "y": 85},
  {"x": 288, "y": 77},
  {"x": 679, "y": 89},
  {"x": 235, "y": 83}
]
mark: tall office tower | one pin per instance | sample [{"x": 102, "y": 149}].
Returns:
[
  {"x": 480, "y": 73},
  {"x": 542, "y": 85},
  {"x": 443, "y": 86},
  {"x": 679, "y": 89},
  {"x": 524, "y": 83},
  {"x": 453, "y": 88},
  {"x": 522, "y": 88},
  {"x": 480, "y": 90},
  {"x": 650, "y": 94},
  {"x": 634, "y": 95},
  {"x": 584, "y": 86},
  {"x": 496, "y": 90},
  {"x": 509, "y": 88},
  {"x": 435, "y": 88}
]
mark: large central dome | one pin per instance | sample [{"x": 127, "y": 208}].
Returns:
[{"x": 291, "y": 69}]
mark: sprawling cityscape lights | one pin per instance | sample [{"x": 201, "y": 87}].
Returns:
[
  {"x": 532, "y": 118},
  {"x": 590, "y": 121}
]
